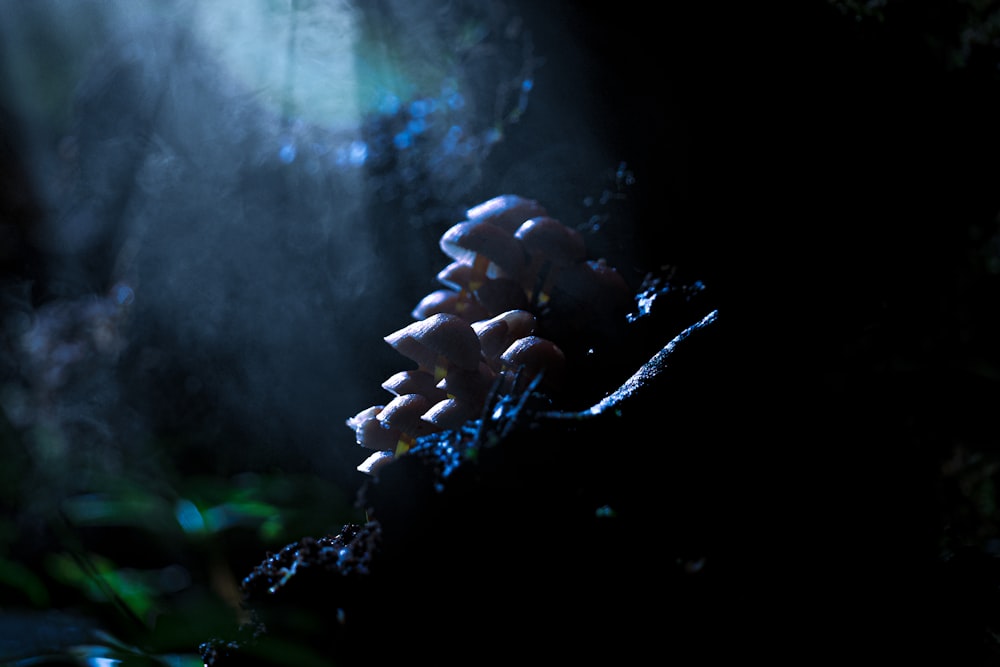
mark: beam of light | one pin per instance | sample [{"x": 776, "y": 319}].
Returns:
[
  {"x": 209, "y": 177},
  {"x": 296, "y": 55}
]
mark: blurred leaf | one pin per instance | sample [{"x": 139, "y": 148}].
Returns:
[
  {"x": 280, "y": 506},
  {"x": 189, "y": 517},
  {"x": 113, "y": 651},
  {"x": 100, "y": 581},
  {"x": 240, "y": 513},
  {"x": 19, "y": 577},
  {"x": 97, "y": 655},
  {"x": 32, "y": 638},
  {"x": 127, "y": 507}
]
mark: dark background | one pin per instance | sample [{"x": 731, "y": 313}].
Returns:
[{"x": 827, "y": 169}]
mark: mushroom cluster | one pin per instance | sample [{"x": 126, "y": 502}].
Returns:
[
  {"x": 519, "y": 291},
  {"x": 484, "y": 445}
]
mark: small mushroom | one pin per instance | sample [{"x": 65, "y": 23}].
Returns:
[
  {"x": 392, "y": 427},
  {"x": 551, "y": 245},
  {"x": 527, "y": 357},
  {"x": 491, "y": 251},
  {"x": 372, "y": 464},
  {"x": 506, "y": 211},
  {"x": 450, "y": 413},
  {"x": 438, "y": 343},
  {"x": 401, "y": 417},
  {"x": 414, "y": 382},
  {"x": 368, "y": 430},
  {"x": 501, "y": 294},
  {"x": 497, "y": 333},
  {"x": 363, "y": 416},
  {"x": 456, "y": 276},
  {"x": 460, "y": 303},
  {"x": 470, "y": 387},
  {"x": 495, "y": 295}
]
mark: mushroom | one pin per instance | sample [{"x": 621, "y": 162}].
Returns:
[
  {"x": 469, "y": 386},
  {"x": 456, "y": 276},
  {"x": 506, "y": 211},
  {"x": 502, "y": 294},
  {"x": 497, "y": 333},
  {"x": 371, "y": 465},
  {"x": 528, "y": 356},
  {"x": 495, "y": 295},
  {"x": 392, "y": 427},
  {"x": 551, "y": 245},
  {"x": 401, "y": 420},
  {"x": 491, "y": 251},
  {"x": 363, "y": 416},
  {"x": 414, "y": 382},
  {"x": 368, "y": 430},
  {"x": 450, "y": 413},
  {"x": 438, "y": 343},
  {"x": 459, "y": 303}
]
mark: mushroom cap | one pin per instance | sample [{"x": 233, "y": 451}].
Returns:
[
  {"x": 440, "y": 340},
  {"x": 494, "y": 294},
  {"x": 363, "y": 416},
  {"x": 506, "y": 211},
  {"x": 501, "y": 294},
  {"x": 532, "y": 355},
  {"x": 548, "y": 240},
  {"x": 402, "y": 415},
  {"x": 498, "y": 252},
  {"x": 456, "y": 275},
  {"x": 462, "y": 304},
  {"x": 497, "y": 333},
  {"x": 370, "y": 432},
  {"x": 450, "y": 413},
  {"x": 469, "y": 386},
  {"x": 371, "y": 465},
  {"x": 414, "y": 382},
  {"x": 384, "y": 427}
]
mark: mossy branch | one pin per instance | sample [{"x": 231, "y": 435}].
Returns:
[{"x": 639, "y": 379}]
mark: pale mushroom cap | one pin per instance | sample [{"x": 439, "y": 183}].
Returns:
[
  {"x": 469, "y": 386},
  {"x": 371, "y": 433},
  {"x": 371, "y": 465},
  {"x": 494, "y": 294},
  {"x": 456, "y": 275},
  {"x": 467, "y": 241},
  {"x": 532, "y": 355},
  {"x": 449, "y": 301},
  {"x": 440, "y": 337},
  {"x": 414, "y": 382},
  {"x": 450, "y": 413},
  {"x": 548, "y": 240},
  {"x": 506, "y": 211},
  {"x": 500, "y": 294},
  {"x": 497, "y": 333},
  {"x": 364, "y": 415},
  {"x": 403, "y": 413}
]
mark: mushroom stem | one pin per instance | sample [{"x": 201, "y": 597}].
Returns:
[{"x": 639, "y": 379}]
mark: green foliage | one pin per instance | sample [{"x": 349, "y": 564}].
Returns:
[
  {"x": 17, "y": 576},
  {"x": 154, "y": 561}
]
